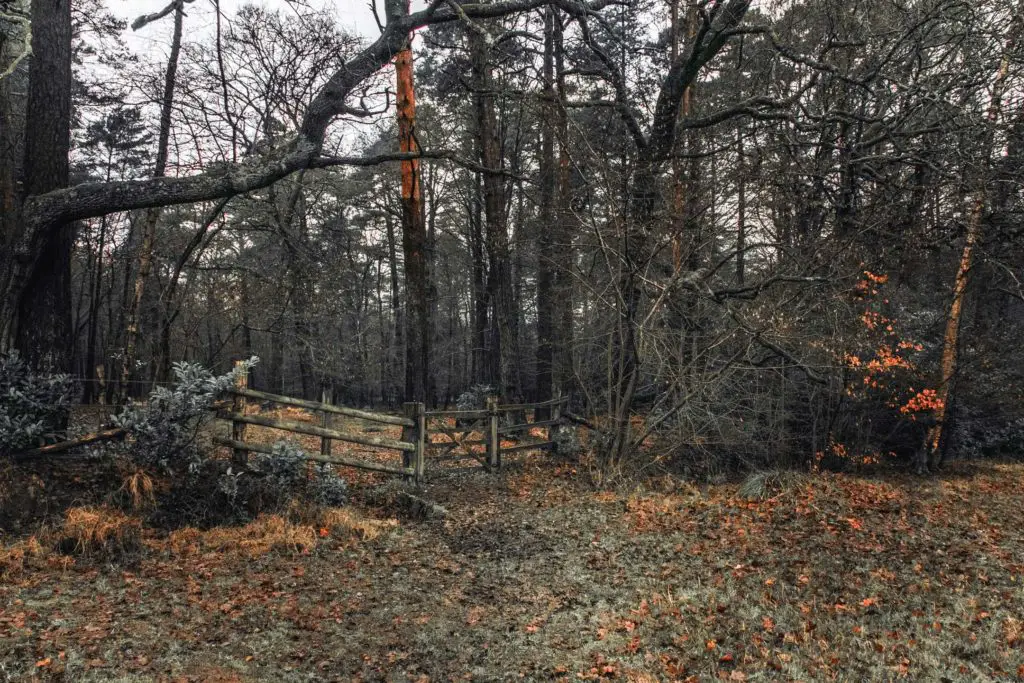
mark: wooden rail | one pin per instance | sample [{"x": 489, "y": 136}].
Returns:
[
  {"x": 313, "y": 430},
  {"x": 63, "y": 446},
  {"x": 330, "y": 459},
  {"x": 323, "y": 407}
]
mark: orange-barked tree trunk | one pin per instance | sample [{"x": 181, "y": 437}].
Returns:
[
  {"x": 414, "y": 238},
  {"x": 934, "y": 452}
]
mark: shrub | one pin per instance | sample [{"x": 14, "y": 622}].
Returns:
[
  {"x": 33, "y": 406},
  {"x": 475, "y": 398},
  {"x": 162, "y": 432},
  {"x": 273, "y": 480}
]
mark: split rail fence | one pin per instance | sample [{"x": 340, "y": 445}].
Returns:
[{"x": 470, "y": 434}]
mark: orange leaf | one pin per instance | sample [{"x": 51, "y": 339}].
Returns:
[
  {"x": 43, "y": 662},
  {"x": 868, "y": 602},
  {"x": 711, "y": 645}
]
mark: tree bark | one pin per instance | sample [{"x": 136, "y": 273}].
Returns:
[
  {"x": 499, "y": 284},
  {"x": 414, "y": 239},
  {"x": 545, "y": 231},
  {"x": 934, "y": 452},
  {"x": 42, "y": 321},
  {"x": 131, "y": 333}
]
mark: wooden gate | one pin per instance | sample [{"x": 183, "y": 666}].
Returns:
[
  {"x": 477, "y": 434},
  {"x": 410, "y": 445}
]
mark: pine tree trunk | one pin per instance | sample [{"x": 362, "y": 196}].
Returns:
[
  {"x": 42, "y": 315},
  {"x": 545, "y": 231},
  {"x": 499, "y": 285},
  {"x": 414, "y": 240}
]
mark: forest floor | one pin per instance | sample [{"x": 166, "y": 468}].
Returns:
[{"x": 533, "y": 575}]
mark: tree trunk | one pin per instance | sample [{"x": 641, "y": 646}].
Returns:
[
  {"x": 499, "y": 285},
  {"x": 396, "y": 349},
  {"x": 481, "y": 366},
  {"x": 545, "y": 231},
  {"x": 934, "y": 451},
  {"x": 13, "y": 103},
  {"x": 563, "y": 231},
  {"x": 152, "y": 215},
  {"x": 414, "y": 239},
  {"x": 42, "y": 272},
  {"x": 741, "y": 212},
  {"x": 91, "y": 374}
]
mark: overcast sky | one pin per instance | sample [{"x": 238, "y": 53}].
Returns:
[{"x": 354, "y": 15}]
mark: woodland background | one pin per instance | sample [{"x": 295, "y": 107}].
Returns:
[{"x": 741, "y": 232}]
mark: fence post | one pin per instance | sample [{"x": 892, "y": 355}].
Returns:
[
  {"x": 325, "y": 422},
  {"x": 493, "y": 440},
  {"x": 420, "y": 461},
  {"x": 239, "y": 456},
  {"x": 416, "y": 435}
]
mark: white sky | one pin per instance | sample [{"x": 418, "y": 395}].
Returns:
[{"x": 354, "y": 15}]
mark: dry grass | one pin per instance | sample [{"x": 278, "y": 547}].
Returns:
[
  {"x": 15, "y": 558},
  {"x": 138, "y": 491},
  {"x": 265, "y": 534},
  {"x": 350, "y": 522},
  {"x": 773, "y": 484},
  {"x": 100, "y": 531}
]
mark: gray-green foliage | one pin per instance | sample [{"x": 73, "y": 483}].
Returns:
[
  {"x": 475, "y": 398},
  {"x": 162, "y": 432},
  {"x": 271, "y": 480},
  {"x": 33, "y": 405},
  {"x": 286, "y": 471}
]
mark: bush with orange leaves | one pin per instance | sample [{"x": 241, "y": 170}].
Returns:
[{"x": 886, "y": 400}]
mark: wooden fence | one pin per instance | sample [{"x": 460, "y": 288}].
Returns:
[
  {"x": 472, "y": 429},
  {"x": 475, "y": 429},
  {"x": 411, "y": 444}
]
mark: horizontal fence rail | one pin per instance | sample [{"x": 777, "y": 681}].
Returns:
[
  {"x": 313, "y": 430},
  {"x": 324, "y": 407},
  {"x": 329, "y": 459}
]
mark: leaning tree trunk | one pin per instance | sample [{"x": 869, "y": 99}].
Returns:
[{"x": 934, "y": 452}]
